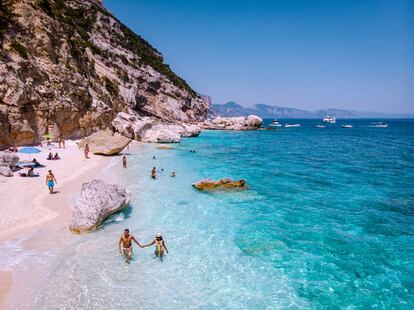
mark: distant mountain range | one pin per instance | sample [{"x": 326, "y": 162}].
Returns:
[{"x": 267, "y": 111}]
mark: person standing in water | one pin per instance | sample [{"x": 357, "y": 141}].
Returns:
[
  {"x": 126, "y": 242},
  {"x": 154, "y": 173},
  {"x": 86, "y": 151},
  {"x": 50, "y": 181},
  {"x": 159, "y": 246},
  {"x": 124, "y": 162}
]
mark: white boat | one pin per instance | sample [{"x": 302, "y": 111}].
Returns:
[
  {"x": 380, "y": 125},
  {"x": 275, "y": 123},
  {"x": 346, "y": 126},
  {"x": 329, "y": 119},
  {"x": 292, "y": 125},
  {"x": 320, "y": 126}
]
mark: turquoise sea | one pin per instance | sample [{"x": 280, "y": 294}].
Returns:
[{"x": 328, "y": 223}]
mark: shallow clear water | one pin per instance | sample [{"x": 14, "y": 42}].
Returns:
[{"x": 327, "y": 223}]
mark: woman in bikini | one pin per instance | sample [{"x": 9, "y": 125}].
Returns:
[{"x": 159, "y": 246}]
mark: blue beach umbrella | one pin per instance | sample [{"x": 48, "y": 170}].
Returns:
[{"x": 29, "y": 150}]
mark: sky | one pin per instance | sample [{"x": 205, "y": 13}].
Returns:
[{"x": 304, "y": 54}]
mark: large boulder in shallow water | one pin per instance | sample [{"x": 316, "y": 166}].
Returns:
[
  {"x": 96, "y": 202},
  {"x": 225, "y": 183},
  {"x": 104, "y": 142}
]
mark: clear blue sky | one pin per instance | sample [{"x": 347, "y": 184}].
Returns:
[{"x": 305, "y": 54}]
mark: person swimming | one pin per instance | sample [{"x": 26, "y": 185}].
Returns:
[
  {"x": 154, "y": 173},
  {"x": 126, "y": 242},
  {"x": 159, "y": 246},
  {"x": 173, "y": 174},
  {"x": 124, "y": 162}
]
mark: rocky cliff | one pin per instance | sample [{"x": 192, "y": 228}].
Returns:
[{"x": 69, "y": 67}]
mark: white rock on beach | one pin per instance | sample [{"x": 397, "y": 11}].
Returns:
[
  {"x": 251, "y": 122},
  {"x": 6, "y": 171},
  {"x": 8, "y": 159},
  {"x": 104, "y": 142},
  {"x": 96, "y": 202}
]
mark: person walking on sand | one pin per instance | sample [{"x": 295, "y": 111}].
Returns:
[
  {"x": 154, "y": 173},
  {"x": 159, "y": 246},
  {"x": 124, "y": 162},
  {"x": 126, "y": 242},
  {"x": 86, "y": 151},
  {"x": 50, "y": 181}
]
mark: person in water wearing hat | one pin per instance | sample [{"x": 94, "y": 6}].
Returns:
[
  {"x": 126, "y": 241},
  {"x": 159, "y": 246}
]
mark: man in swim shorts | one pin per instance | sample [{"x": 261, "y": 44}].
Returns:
[
  {"x": 50, "y": 181},
  {"x": 126, "y": 241}
]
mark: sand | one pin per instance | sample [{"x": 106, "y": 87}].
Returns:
[
  {"x": 26, "y": 202},
  {"x": 5, "y": 285}
]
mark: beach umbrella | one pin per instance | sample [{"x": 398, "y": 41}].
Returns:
[{"x": 29, "y": 150}]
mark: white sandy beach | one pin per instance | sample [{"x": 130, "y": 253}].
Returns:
[{"x": 26, "y": 203}]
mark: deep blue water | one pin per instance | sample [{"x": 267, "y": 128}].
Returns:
[{"x": 328, "y": 222}]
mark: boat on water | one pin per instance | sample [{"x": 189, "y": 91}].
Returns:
[
  {"x": 320, "y": 126},
  {"x": 347, "y": 126},
  {"x": 275, "y": 123},
  {"x": 380, "y": 125},
  {"x": 291, "y": 125},
  {"x": 330, "y": 120}
]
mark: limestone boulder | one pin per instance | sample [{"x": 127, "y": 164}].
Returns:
[
  {"x": 6, "y": 171},
  {"x": 252, "y": 122},
  {"x": 105, "y": 142},
  {"x": 190, "y": 130},
  {"x": 161, "y": 134},
  {"x": 225, "y": 183},
  {"x": 8, "y": 159},
  {"x": 96, "y": 202}
]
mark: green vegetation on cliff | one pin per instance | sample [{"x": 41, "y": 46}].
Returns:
[
  {"x": 81, "y": 21},
  {"x": 21, "y": 49}
]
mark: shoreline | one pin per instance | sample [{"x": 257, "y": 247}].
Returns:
[{"x": 31, "y": 208}]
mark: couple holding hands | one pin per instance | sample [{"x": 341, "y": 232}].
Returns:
[{"x": 126, "y": 242}]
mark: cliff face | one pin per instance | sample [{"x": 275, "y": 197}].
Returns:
[{"x": 69, "y": 66}]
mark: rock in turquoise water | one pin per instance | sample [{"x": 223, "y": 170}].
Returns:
[{"x": 96, "y": 202}]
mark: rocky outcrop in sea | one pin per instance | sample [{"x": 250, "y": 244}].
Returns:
[
  {"x": 251, "y": 122},
  {"x": 224, "y": 183}
]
